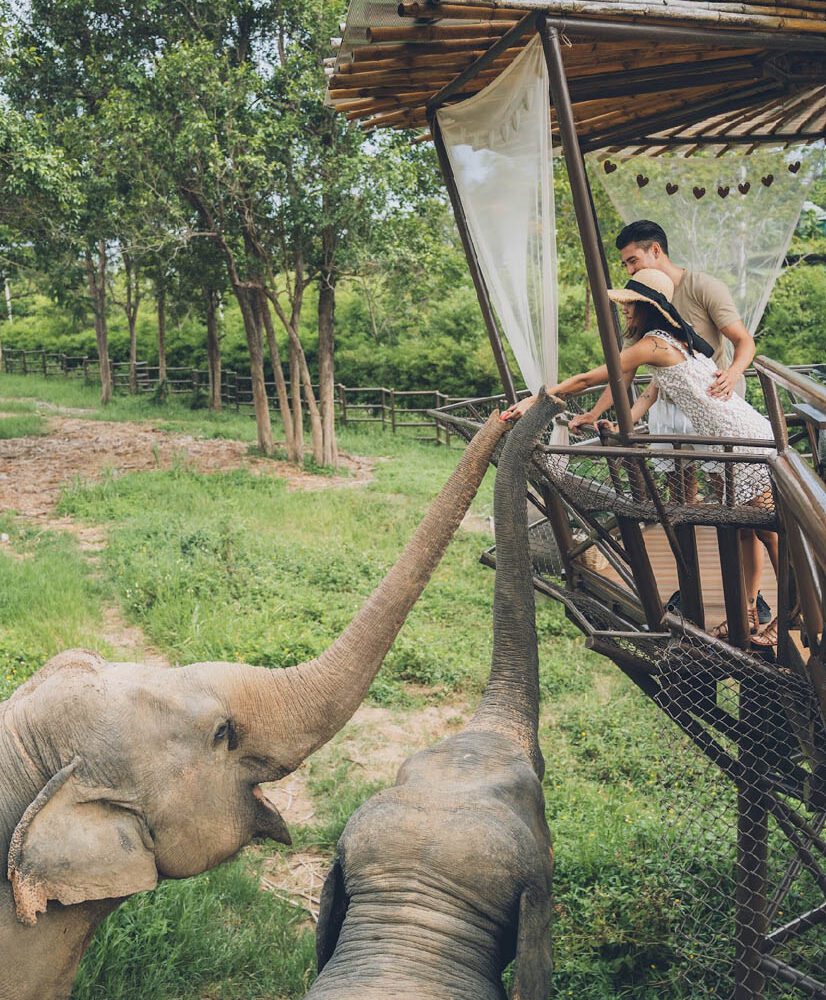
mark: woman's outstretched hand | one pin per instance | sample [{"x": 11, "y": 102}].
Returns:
[{"x": 515, "y": 412}]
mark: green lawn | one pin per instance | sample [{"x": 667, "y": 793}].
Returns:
[{"x": 234, "y": 566}]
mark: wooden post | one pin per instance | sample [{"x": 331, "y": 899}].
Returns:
[
  {"x": 25, "y": 364},
  {"x": 688, "y": 575},
  {"x": 752, "y": 850},
  {"x": 392, "y": 409},
  {"x": 43, "y": 363},
  {"x": 609, "y": 334},
  {"x": 342, "y": 395},
  {"x": 734, "y": 587},
  {"x": 85, "y": 371}
]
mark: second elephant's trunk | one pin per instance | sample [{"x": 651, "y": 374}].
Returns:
[{"x": 510, "y": 704}]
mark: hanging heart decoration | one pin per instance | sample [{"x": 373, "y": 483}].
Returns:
[
  {"x": 671, "y": 188},
  {"x": 794, "y": 167},
  {"x": 744, "y": 188},
  {"x": 698, "y": 192},
  {"x": 642, "y": 180},
  {"x": 723, "y": 190},
  {"x": 609, "y": 167},
  {"x": 767, "y": 181}
]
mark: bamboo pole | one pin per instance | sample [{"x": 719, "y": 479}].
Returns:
[
  {"x": 733, "y": 8},
  {"x": 690, "y": 12},
  {"x": 437, "y": 32},
  {"x": 386, "y": 50}
]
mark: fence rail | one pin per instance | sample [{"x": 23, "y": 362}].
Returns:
[{"x": 399, "y": 411}]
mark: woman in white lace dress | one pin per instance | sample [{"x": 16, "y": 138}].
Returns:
[{"x": 657, "y": 336}]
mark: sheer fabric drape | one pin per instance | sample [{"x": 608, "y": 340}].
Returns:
[
  {"x": 499, "y": 146},
  {"x": 732, "y": 216}
]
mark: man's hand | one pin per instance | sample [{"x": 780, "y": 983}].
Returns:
[
  {"x": 515, "y": 412},
  {"x": 723, "y": 385},
  {"x": 587, "y": 419}
]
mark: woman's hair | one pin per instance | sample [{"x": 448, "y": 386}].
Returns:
[{"x": 644, "y": 319}]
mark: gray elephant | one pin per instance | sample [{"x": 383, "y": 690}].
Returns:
[
  {"x": 115, "y": 775},
  {"x": 443, "y": 879}
]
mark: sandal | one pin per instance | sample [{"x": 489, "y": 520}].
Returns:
[
  {"x": 721, "y": 631},
  {"x": 768, "y": 637}
]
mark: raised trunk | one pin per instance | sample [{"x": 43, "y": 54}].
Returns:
[
  {"x": 510, "y": 703},
  {"x": 324, "y": 693},
  {"x": 213, "y": 350},
  {"x": 133, "y": 301},
  {"x": 326, "y": 378}
]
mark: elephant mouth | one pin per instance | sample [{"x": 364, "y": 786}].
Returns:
[{"x": 269, "y": 821}]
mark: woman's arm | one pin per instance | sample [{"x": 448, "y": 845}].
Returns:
[
  {"x": 644, "y": 403},
  {"x": 630, "y": 360}
]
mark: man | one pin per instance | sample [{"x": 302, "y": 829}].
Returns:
[{"x": 708, "y": 306}]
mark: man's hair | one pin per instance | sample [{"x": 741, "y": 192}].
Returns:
[{"x": 643, "y": 233}]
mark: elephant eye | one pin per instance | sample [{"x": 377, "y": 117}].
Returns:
[{"x": 226, "y": 731}]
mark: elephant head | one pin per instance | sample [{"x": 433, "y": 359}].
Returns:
[{"x": 115, "y": 775}]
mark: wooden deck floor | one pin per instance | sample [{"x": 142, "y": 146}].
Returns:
[{"x": 665, "y": 571}]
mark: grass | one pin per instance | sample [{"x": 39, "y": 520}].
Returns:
[{"x": 233, "y": 565}]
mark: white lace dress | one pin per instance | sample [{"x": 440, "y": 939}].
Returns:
[{"x": 687, "y": 384}]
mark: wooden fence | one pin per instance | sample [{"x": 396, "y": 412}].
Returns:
[{"x": 395, "y": 410}]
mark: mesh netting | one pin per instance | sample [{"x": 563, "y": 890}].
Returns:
[{"x": 747, "y": 853}]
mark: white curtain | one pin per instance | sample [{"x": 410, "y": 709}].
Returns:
[
  {"x": 499, "y": 146},
  {"x": 732, "y": 216}
]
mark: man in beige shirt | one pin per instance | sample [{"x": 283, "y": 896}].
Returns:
[{"x": 706, "y": 303}]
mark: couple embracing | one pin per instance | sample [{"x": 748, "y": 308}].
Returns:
[{"x": 695, "y": 388}]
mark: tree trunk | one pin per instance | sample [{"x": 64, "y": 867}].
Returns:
[
  {"x": 161, "y": 304},
  {"x": 247, "y": 299},
  {"x": 326, "y": 377},
  {"x": 133, "y": 301},
  {"x": 213, "y": 350},
  {"x": 96, "y": 283},
  {"x": 295, "y": 393},
  {"x": 294, "y": 453}
]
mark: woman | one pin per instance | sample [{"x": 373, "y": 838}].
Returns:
[{"x": 658, "y": 337}]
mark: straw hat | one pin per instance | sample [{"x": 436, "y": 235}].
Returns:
[{"x": 657, "y": 281}]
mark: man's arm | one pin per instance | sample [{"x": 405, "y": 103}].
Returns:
[{"x": 744, "y": 351}]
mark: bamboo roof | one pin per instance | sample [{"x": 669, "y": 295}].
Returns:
[{"x": 643, "y": 75}]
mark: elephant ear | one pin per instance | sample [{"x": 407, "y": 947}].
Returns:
[
  {"x": 331, "y": 913},
  {"x": 534, "y": 957},
  {"x": 75, "y": 844}
]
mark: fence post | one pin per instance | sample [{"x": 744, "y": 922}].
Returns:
[
  {"x": 43, "y": 362},
  {"x": 25, "y": 364},
  {"x": 235, "y": 391},
  {"x": 342, "y": 396},
  {"x": 383, "y": 407},
  {"x": 85, "y": 371},
  {"x": 392, "y": 409}
]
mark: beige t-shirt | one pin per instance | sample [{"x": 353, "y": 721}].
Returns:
[{"x": 708, "y": 306}]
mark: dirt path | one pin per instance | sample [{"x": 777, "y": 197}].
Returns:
[{"x": 33, "y": 470}]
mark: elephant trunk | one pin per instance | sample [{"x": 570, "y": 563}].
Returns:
[
  {"x": 510, "y": 703},
  {"x": 322, "y": 694}
]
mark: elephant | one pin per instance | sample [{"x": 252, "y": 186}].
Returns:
[
  {"x": 441, "y": 880},
  {"x": 116, "y": 775}
]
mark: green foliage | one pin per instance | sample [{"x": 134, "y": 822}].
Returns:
[{"x": 217, "y": 935}]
